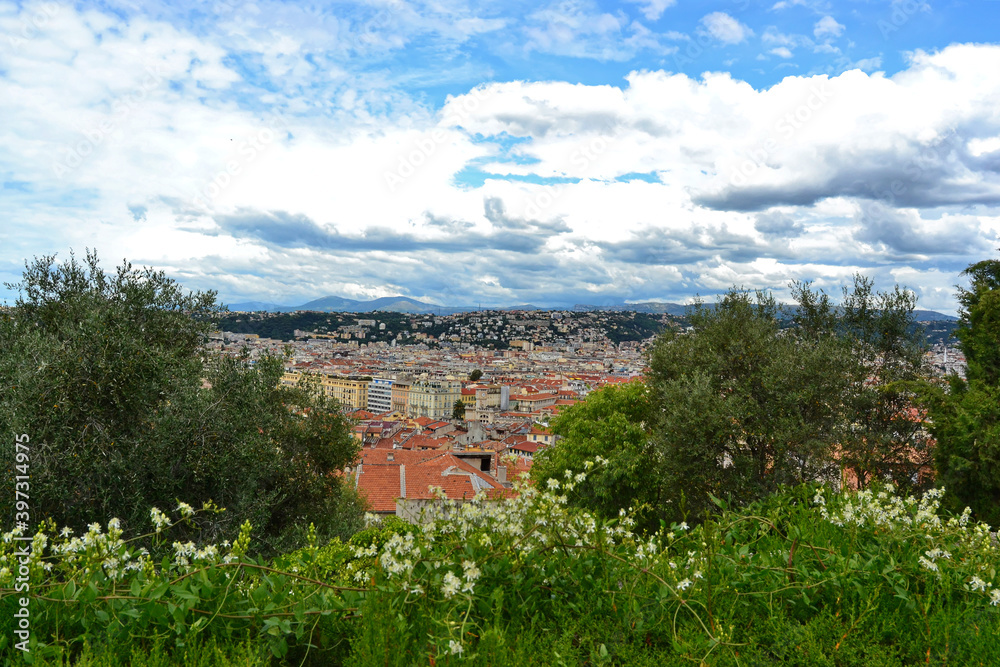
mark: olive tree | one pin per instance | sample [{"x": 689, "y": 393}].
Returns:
[{"x": 108, "y": 376}]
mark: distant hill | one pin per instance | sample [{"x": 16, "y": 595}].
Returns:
[
  {"x": 339, "y": 304},
  {"x": 255, "y": 306},
  {"x": 405, "y": 304},
  {"x": 933, "y": 316}
]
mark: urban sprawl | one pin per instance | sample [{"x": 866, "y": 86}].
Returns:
[{"x": 458, "y": 402}]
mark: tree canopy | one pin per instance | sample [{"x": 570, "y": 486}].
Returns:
[
  {"x": 125, "y": 411},
  {"x": 612, "y": 423},
  {"x": 754, "y": 396},
  {"x": 965, "y": 414}
]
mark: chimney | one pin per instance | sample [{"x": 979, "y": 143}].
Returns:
[
  {"x": 390, "y": 457},
  {"x": 502, "y": 474}
]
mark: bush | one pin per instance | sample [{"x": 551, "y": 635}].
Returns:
[
  {"x": 803, "y": 577},
  {"x": 105, "y": 381}
]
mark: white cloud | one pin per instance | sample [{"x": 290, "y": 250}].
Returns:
[
  {"x": 781, "y": 52},
  {"x": 725, "y": 28},
  {"x": 827, "y": 27},
  {"x": 868, "y": 64},
  {"x": 578, "y": 28},
  {"x": 653, "y": 9},
  {"x": 812, "y": 177}
]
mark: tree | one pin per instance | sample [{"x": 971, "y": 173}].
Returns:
[
  {"x": 125, "y": 411},
  {"x": 458, "y": 409},
  {"x": 886, "y": 436},
  {"x": 475, "y": 375},
  {"x": 741, "y": 406},
  {"x": 755, "y": 396},
  {"x": 612, "y": 423},
  {"x": 965, "y": 414}
]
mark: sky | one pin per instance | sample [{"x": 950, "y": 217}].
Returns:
[{"x": 501, "y": 153}]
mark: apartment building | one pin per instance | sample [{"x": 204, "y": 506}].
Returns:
[
  {"x": 401, "y": 394},
  {"x": 350, "y": 391},
  {"x": 434, "y": 398},
  {"x": 380, "y": 395}
]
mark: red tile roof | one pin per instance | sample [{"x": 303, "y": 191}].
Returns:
[{"x": 410, "y": 474}]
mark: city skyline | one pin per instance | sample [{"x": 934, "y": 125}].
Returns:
[{"x": 467, "y": 153}]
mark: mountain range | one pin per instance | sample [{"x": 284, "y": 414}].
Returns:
[{"x": 404, "y": 304}]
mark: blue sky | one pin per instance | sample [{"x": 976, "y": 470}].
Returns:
[{"x": 502, "y": 153}]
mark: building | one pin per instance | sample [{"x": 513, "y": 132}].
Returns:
[
  {"x": 401, "y": 395},
  {"x": 434, "y": 398},
  {"x": 350, "y": 391},
  {"x": 400, "y": 482},
  {"x": 380, "y": 395},
  {"x": 493, "y": 396}
]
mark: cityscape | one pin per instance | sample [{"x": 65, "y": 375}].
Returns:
[{"x": 393, "y": 333}]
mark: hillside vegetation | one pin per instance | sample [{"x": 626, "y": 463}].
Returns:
[{"x": 185, "y": 510}]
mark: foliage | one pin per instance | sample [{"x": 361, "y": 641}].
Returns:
[
  {"x": 806, "y": 576},
  {"x": 741, "y": 405},
  {"x": 475, "y": 375},
  {"x": 458, "y": 409},
  {"x": 886, "y": 437},
  {"x": 979, "y": 322},
  {"x": 612, "y": 423},
  {"x": 965, "y": 415},
  {"x": 107, "y": 378}
]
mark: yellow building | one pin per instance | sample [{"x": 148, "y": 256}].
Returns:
[
  {"x": 350, "y": 391},
  {"x": 434, "y": 398}
]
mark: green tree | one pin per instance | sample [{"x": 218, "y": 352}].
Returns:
[
  {"x": 475, "y": 375},
  {"x": 886, "y": 436},
  {"x": 458, "y": 409},
  {"x": 756, "y": 396},
  {"x": 612, "y": 423},
  {"x": 741, "y": 406},
  {"x": 965, "y": 414},
  {"x": 108, "y": 376}
]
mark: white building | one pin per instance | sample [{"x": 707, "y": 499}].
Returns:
[{"x": 380, "y": 395}]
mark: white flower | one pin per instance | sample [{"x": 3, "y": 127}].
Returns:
[
  {"x": 697, "y": 574},
  {"x": 451, "y": 584},
  {"x": 471, "y": 571},
  {"x": 454, "y": 647},
  {"x": 977, "y": 584},
  {"x": 553, "y": 483},
  {"x": 185, "y": 509},
  {"x": 995, "y": 597},
  {"x": 683, "y": 526},
  {"x": 159, "y": 519},
  {"x": 683, "y": 584},
  {"x": 929, "y": 564}
]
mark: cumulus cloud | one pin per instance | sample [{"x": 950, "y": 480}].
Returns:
[
  {"x": 657, "y": 187},
  {"x": 827, "y": 27},
  {"x": 653, "y": 9},
  {"x": 904, "y": 231},
  {"x": 725, "y": 28},
  {"x": 777, "y": 223}
]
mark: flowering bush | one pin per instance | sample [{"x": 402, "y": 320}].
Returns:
[{"x": 802, "y": 576}]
